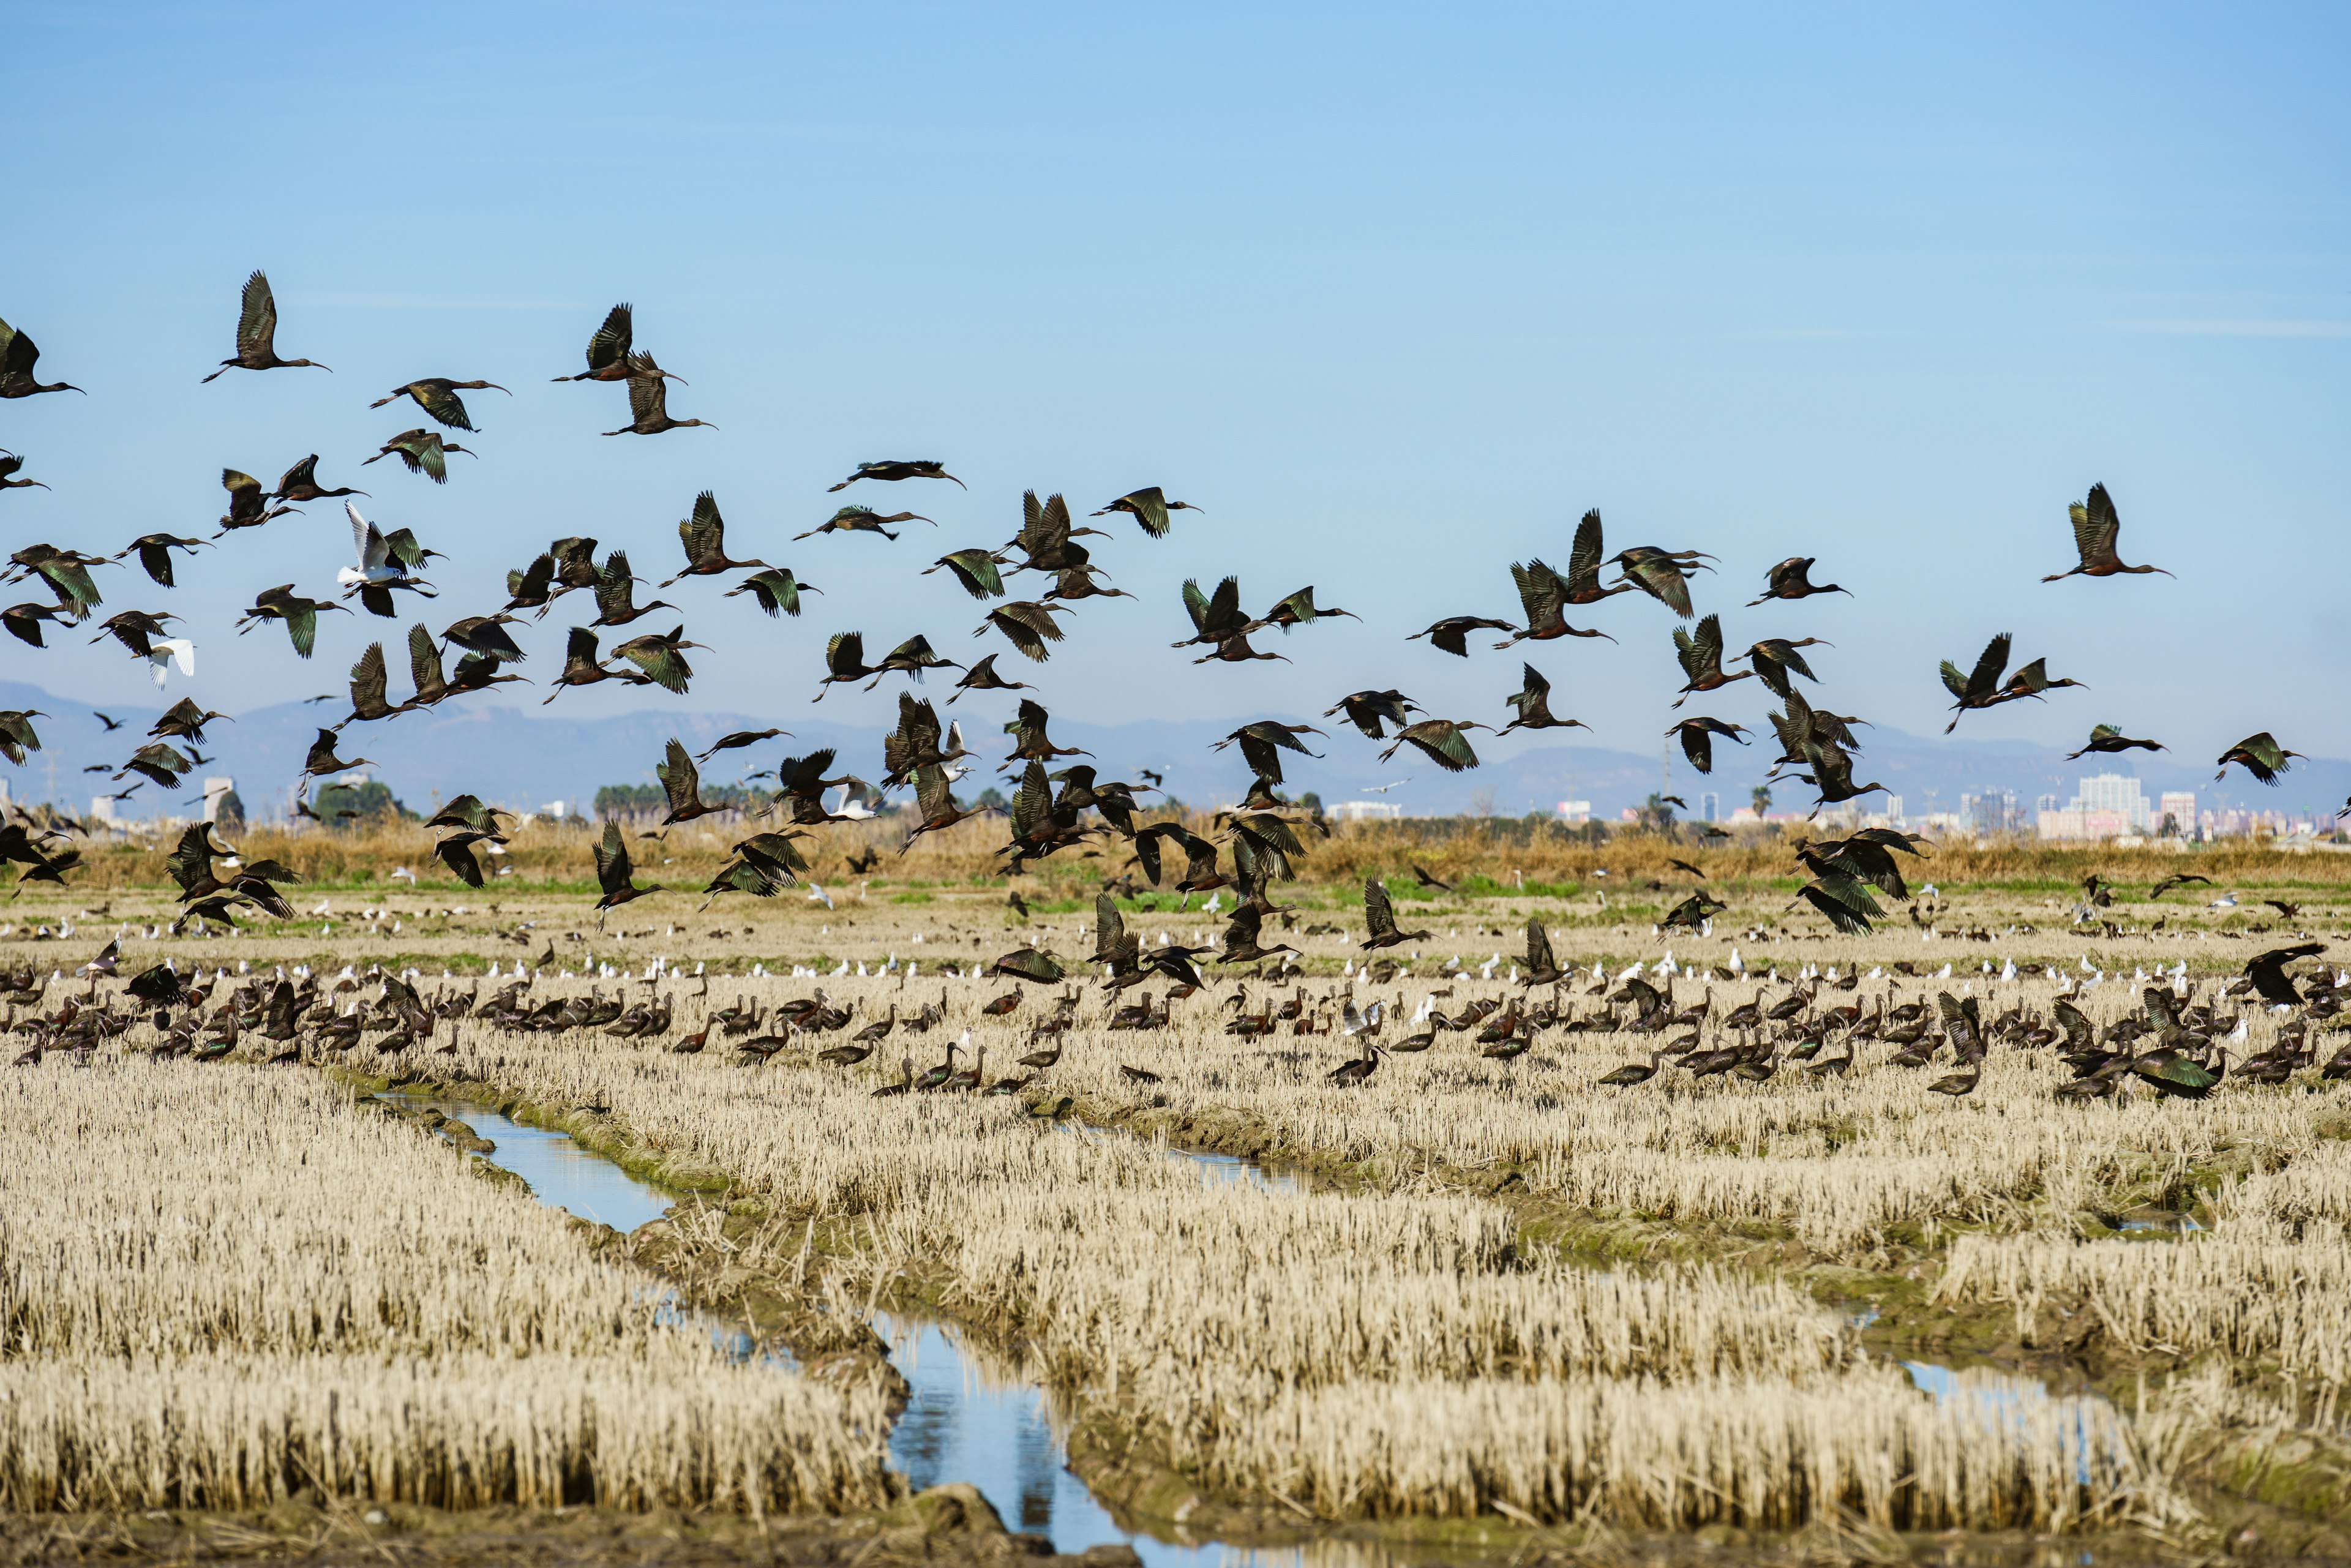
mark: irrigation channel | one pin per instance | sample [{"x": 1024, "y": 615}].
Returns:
[{"x": 961, "y": 1423}]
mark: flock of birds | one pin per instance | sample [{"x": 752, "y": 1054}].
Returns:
[{"x": 1056, "y": 803}]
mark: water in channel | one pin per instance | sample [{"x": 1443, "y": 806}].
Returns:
[{"x": 958, "y": 1425}]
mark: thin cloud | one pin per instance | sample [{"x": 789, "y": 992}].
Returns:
[
  {"x": 2239, "y": 329},
  {"x": 429, "y": 302}
]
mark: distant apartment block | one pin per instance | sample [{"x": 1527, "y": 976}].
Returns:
[
  {"x": 1575, "y": 812},
  {"x": 2105, "y": 806},
  {"x": 1365, "y": 810}
]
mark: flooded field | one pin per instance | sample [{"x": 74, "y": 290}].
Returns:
[{"x": 1182, "y": 1289}]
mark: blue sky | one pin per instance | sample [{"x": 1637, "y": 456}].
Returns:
[{"x": 1395, "y": 295}]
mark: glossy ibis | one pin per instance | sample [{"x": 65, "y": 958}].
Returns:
[
  {"x": 1774, "y": 659},
  {"x": 248, "y": 504},
  {"x": 9, "y": 465},
  {"x": 1533, "y": 704},
  {"x": 1442, "y": 740},
  {"x": 1659, "y": 574},
  {"x": 300, "y": 614},
  {"x": 1698, "y": 739},
  {"x": 1368, "y": 710},
  {"x": 437, "y": 396},
  {"x": 614, "y": 874},
  {"x": 1790, "y": 580},
  {"x": 1701, "y": 659},
  {"x": 1379, "y": 920},
  {"x": 661, "y": 657},
  {"x": 1149, "y": 507},
  {"x": 2106, "y": 738},
  {"x": 775, "y": 590},
  {"x": 257, "y": 333},
  {"x": 982, "y": 677},
  {"x": 2261, "y": 756},
  {"x": 863, "y": 521},
  {"x": 423, "y": 451},
  {"x": 976, "y": 569},
  {"x": 615, "y": 594},
  {"x": 154, "y": 553},
  {"x": 609, "y": 351},
  {"x": 649, "y": 401},
  {"x": 1029, "y": 625},
  {"x": 581, "y": 667},
  {"x": 2095, "y": 528},
  {"x": 704, "y": 535},
  {"x": 301, "y": 483},
  {"x": 1452, "y": 635},
  {"x": 907, "y": 468},
  {"x": 1543, "y": 593}
]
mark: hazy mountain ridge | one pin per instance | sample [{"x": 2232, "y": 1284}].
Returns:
[{"x": 528, "y": 758}]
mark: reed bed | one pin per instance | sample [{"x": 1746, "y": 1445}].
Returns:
[
  {"x": 221, "y": 1285},
  {"x": 1507, "y": 852}
]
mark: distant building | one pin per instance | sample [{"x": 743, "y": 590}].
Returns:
[
  {"x": 214, "y": 790},
  {"x": 2114, "y": 794},
  {"x": 1575, "y": 812},
  {"x": 1893, "y": 810},
  {"x": 1996, "y": 812},
  {"x": 2105, "y": 806},
  {"x": 553, "y": 809},
  {"x": 2177, "y": 810},
  {"x": 1365, "y": 810},
  {"x": 1710, "y": 806},
  {"x": 102, "y": 807}
]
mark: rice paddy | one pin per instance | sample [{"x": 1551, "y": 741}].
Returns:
[{"x": 1500, "y": 1295}]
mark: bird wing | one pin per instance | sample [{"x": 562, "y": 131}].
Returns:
[
  {"x": 366, "y": 545},
  {"x": 1196, "y": 604},
  {"x": 679, "y": 779},
  {"x": 303, "y": 474},
  {"x": 648, "y": 398},
  {"x": 301, "y": 618},
  {"x": 2095, "y": 527},
  {"x": 1709, "y": 642},
  {"x": 1150, "y": 506},
  {"x": 1539, "y": 957},
  {"x": 1444, "y": 743},
  {"x": 1985, "y": 680},
  {"x": 660, "y": 659},
  {"x": 1379, "y": 918},
  {"x": 609, "y": 344},
  {"x": 1663, "y": 581},
  {"x": 1541, "y": 592},
  {"x": 368, "y": 680},
  {"x": 1224, "y": 608},
  {"x": 612, "y": 869},
  {"x": 844, "y": 655},
  {"x": 1685, "y": 650},
  {"x": 445, "y": 405},
  {"x": 257, "y": 322},
  {"x": 425, "y": 663},
  {"x": 1696, "y": 746},
  {"x": 1584, "y": 558}
]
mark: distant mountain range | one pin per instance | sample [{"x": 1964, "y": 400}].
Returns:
[{"x": 529, "y": 757}]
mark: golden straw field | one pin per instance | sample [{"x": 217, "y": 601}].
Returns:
[{"x": 1486, "y": 1295}]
